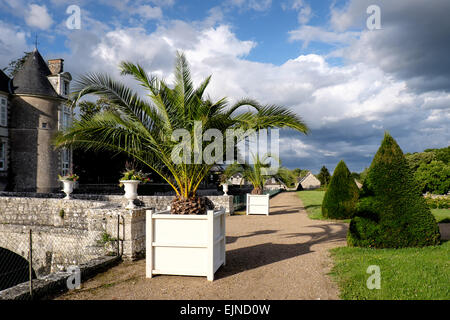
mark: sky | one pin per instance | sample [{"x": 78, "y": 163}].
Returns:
[{"x": 348, "y": 74}]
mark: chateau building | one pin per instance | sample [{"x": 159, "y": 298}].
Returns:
[{"x": 33, "y": 107}]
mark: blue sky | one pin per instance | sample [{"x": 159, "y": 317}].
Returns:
[{"x": 349, "y": 83}]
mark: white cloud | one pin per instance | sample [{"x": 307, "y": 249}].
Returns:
[
  {"x": 148, "y": 12},
  {"x": 38, "y": 17},
  {"x": 257, "y": 5},
  {"x": 12, "y": 43},
  {"x": 309, "y": 34},
  {"x": 347, "y": 107}
]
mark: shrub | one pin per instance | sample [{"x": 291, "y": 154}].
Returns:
[
  {"x": 391, "y": 212},
  {"x": 438, "y": 203},
  {"x": 342, "y": 193}
]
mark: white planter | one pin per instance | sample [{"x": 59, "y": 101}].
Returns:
[
  {"x": 258, "y": 204},
  {"x": 131, "y": 194},
  {"x": 188, "y": 245},
  {"x": 67, "y": 188},
  {"x": 225, "y": 189}
]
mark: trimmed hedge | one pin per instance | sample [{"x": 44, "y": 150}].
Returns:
[
  {"x": 391, "y": 212},
  {"x": 342, "y": 194}
]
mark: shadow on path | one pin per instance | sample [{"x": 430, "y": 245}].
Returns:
[
  {"x": 231, "y": 239},
  {"x": 247, "y": 258}
]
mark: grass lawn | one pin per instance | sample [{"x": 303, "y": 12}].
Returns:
[
  {"x": 410, "y": 273},
  {"x": 312, "y": 200},
  {"x": 441, "y": 215}
]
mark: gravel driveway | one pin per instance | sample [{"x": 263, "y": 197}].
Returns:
[{"x": 280, "y": 256}]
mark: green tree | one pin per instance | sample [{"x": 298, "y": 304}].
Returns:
[
  {"x": 16, "y": 65},
  {"x": 363, "y": 175},
  {"x": 433, "y": 177},
  {"x": 324, "y": 176},
  {"x": 391, "y": 212},
  {"x": 341, "y": 196},
  {"x": 296, "y": 172},
  {"x": 144, "y": 129}
]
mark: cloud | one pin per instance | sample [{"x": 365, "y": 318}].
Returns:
[
  {"x": 303, "y": 8},
  {"x": 38, "y": 17},
  {"x": 412, "y": 44},
  {"x": 148, "y": 12},
  {"x": 257, "y": 5},
  {"x": 12, "y": 43},
  {"x": 347, "y": 107},
  {"x": 309, "y": 34}
]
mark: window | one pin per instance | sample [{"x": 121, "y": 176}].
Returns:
[
  {"x": 2, "y": 156},
  {"x": 65, "y": 161},
  {"x": 65, "y": 118},
  {"x": 3, "y": 112}
]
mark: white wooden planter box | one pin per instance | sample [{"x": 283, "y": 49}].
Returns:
[
  {"x": 258, "y": 204},
  {"x": 190, "y": 245}
]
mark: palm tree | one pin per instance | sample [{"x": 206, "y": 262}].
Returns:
[
  {"x": 143, "y": 128},
  {"x": 259, "y": 172}
]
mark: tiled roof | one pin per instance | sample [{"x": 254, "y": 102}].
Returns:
[
  {"x": 32, "y": 78},
  {"x": 4, "y": 82}
]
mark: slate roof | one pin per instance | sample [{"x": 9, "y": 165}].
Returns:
[
  {"x": 32, "y": 78},
  {"x": 4, "y": 82}
]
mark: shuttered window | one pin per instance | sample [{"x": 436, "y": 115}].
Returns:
[{"x": 3, "y": 112}]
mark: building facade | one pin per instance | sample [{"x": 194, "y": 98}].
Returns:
[{"x": 33, "y": 107}]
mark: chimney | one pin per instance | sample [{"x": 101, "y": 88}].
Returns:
[{"x": 56, "y": 66}]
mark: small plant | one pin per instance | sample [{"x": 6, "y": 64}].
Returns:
[
  {"x": 133, "y": 174},
  {"x": 106, "y": 238},
  {"x": 61, "y": 213},
  {"x": 69, "y": 177}
]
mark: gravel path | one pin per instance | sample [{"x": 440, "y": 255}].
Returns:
[{"x": 280, "y": 256}]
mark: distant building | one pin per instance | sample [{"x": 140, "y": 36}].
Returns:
[
  {"x": 358, "y": 184},
  {"x": 237, "y": 179},
  {"x": 32, "y": 109},
  {"x": 274, "y": 184},
  {"x": 308, "y": 182}
]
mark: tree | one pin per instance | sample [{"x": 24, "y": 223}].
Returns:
[
  {"x": 144, "y": 130},
  {"x": 433, "y": 177},
  {"x": 341, "y": 196},
  {"x": 363, "y": 174},
  {"x": 15, "y": 65},
  {"x": 391, "y": 212},
  {"x": 259, "y": 172},
  {"x": 296, "y": 172},
  {"x": 102, "y": 166},
  {"x": 324, "y": 176}
]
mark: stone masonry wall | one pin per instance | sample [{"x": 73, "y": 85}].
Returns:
[{"x": 68, "y": 232}]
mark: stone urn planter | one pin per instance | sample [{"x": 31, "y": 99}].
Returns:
[
  {"x": 68, "y": 188},
  {"x": 131, "y": 194},
  {"x": 258, "y": 204},
  {"x": 189, "y": 245},
  {"x": 225, "y": 189}
]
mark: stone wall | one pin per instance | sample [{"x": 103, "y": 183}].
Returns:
[{"x": 71, "y": 232}]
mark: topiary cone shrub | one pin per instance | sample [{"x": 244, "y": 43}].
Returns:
[
  {"x": 342, "y": 194},
  {"x": 391, "y": 212}
]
